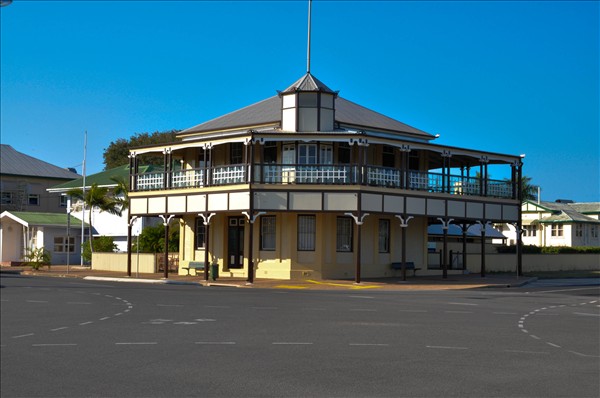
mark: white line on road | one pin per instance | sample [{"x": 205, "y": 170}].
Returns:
[
  {"x": 85, "y": 323},
  {"x": 553, "y": 345},
  {"x": 564, "y": 290},
  {"x": 365, "y": 297},
  {"x": 215, "y": 342},
  {"x": 105, "y": 318},
  {"x": 458, "y": 312},
  {"x": 291, "y": 343},
  {"x": 368, "y": 345},
  {"x": 534, "y": 336},
  {"x": 57, "y": 329},
  {"x": 527, "y": 352},
  {"x": 138, "y": 343},
  {"x": 583, "y": 355},
  {"x": 22, "y": 335},
  {"x": 446, "y": 347}
]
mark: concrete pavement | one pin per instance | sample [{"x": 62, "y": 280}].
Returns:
[{"x": 470, "y": 281}]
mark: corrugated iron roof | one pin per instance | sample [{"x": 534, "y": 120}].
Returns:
[
  {"x": 308, "y": 83},
  {"x": 42, "y": 219},
  {"x": 103, "y": 179},
  {"x": 268, "y": 111},
  {"x": 14, "y": 162},
  {"x": 569, "y": 212}
]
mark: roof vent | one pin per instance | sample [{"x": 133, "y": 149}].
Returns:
[{"x": 564, "y": 201}]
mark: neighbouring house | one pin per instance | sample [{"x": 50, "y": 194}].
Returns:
[
  {"x": 55, "y": 232},
  {"x": 104, "y": 223},
  {"x": 560, "y": 223},
  {"x": 24, "y": 180},
  {"x": 307, "y": 184}
]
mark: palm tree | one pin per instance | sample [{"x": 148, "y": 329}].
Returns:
[
  {"x": 100, "y": 198},
  {"x": 528, "y": 191},
  {"x": 121, "y": 192}
]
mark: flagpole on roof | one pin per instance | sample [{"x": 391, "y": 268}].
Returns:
[
  {"x": 308, "y": 46},
  {"x": 83, "y": 191}
]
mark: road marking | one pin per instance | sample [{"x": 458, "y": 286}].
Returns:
[
  {"x": 22, "y": 335},
  {"x": 585, "y": 314},
  {"x": 368, "y": 345},
  {"x": 446, "y": 347},
  {"x": 215, "y": 342},
  {"x": 553, "y": 345},
  {"x": 185, "y": 323},
  {"x": 365, "y": 297},
  {"x": 85, "y": 323},
  {"x": 459, "y": 312},
  {"x": 290, "y": 343},
  {"x": 138, "y": 343},
  {"x": 205, "y": 320},
  {"x": 61, "y": 328},
  {"x": 583, "y": 355},
  {"x": 105, "y": 318},
  {"x": 533, "y": 336},
  {"x": 527, "y": 352},
  {"x": 53, "y": 345},
  {"x": 118, "y": 313},
  {"x": 452, "y": 303}
]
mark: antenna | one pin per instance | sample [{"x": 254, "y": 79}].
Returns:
[{"x": 308, "y": 47}]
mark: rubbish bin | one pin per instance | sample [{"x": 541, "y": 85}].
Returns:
[{"x": 214, "y": 271}]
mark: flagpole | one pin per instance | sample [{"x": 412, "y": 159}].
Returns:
[{"x": 83, "y": 194}]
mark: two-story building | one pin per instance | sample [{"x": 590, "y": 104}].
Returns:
[{"x": 307, "y": 184}]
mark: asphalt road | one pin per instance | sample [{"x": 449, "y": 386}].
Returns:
[{"x": 72, "y": 338}]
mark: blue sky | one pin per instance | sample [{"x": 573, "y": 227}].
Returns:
[{"x": 507, "y": 76}]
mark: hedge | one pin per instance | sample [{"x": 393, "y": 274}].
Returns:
[{"x": 532, "y": 249}]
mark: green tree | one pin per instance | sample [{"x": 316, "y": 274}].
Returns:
[
  {"x": 152, "y": 239},
  {"x": 96, "y": 197},
  {"x": 102, "y": 244},
  {"x": 116, "y": 154}
]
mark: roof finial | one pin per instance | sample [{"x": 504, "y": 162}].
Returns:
[{"x": 308, "y": 47}]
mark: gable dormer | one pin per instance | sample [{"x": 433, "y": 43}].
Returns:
[{"x": 308, "y": 105}]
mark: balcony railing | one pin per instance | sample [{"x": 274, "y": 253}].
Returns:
[{"x": 323, "y": 175}]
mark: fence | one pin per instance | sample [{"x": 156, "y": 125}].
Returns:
[{"x": 145, "y": 263}]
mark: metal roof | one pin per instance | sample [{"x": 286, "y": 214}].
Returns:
[
  {"x": 308, "y": 83},
  {"x": 568, "y": 212},
  {"x": 14, "y": 162},
  {"x": 268, "y": 111},
  {"x": 102, "y": 179},
  {"x": 474, "y": 231},
  {"x": 29, "y": 218}
]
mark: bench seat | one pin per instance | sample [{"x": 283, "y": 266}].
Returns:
[
  {"x": 195, "y": 265},
  {"x": 409, "y": 266}
]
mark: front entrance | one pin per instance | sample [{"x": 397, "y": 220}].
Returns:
[{"x": 235, "y": 242}]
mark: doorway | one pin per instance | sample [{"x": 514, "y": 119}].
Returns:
[{"x": 235, "y": 242}]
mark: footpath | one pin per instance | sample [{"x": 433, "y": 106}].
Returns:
[{"x": 469, "y": 281}]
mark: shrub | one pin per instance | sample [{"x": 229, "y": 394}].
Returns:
[
  {"x": 37, "y": 258},
  {"x": 102, "y": 244},
  {"x": 152, "y": 239}
]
